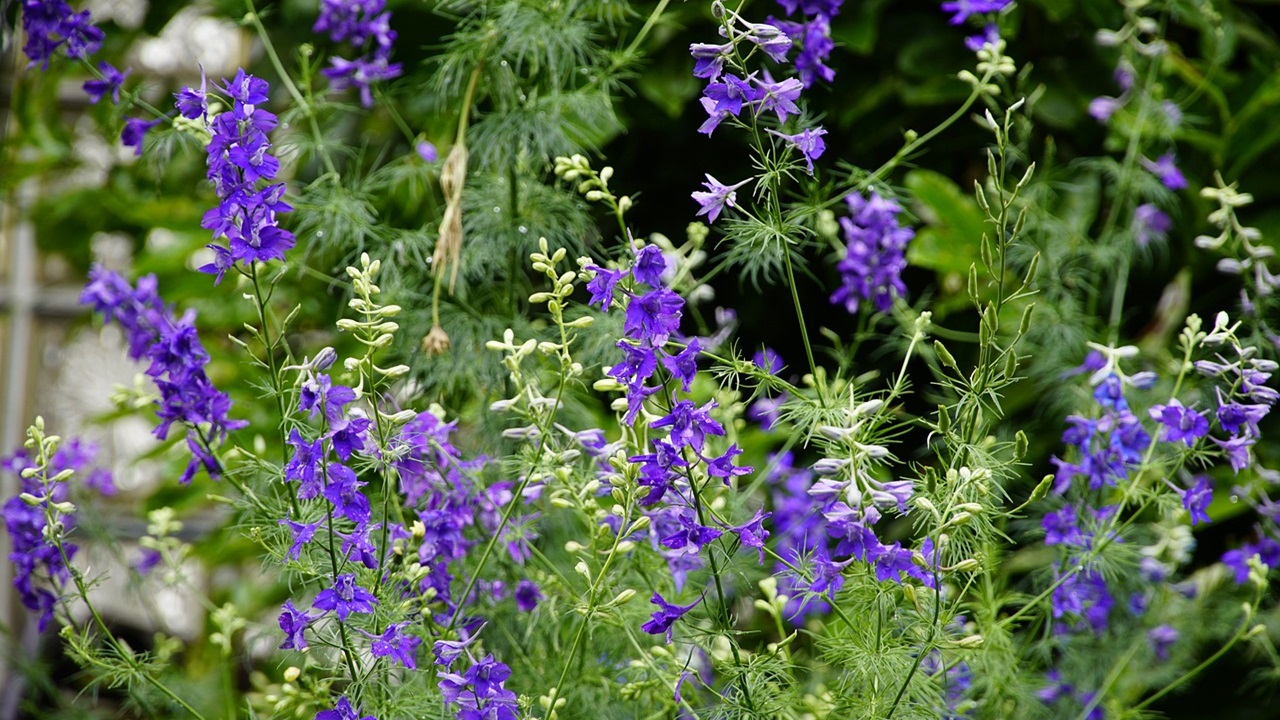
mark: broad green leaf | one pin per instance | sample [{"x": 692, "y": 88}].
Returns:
[{"x": 953, "y": 224}]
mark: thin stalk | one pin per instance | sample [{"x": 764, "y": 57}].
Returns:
[
  {"x": 347, "y": 653},
  {"x": 309, "y": 109},
  {"x": 83, "y": 591},
  {"x": 591, "y": 606},
  {"x": 726, "y": 620},
  {"x": 1245, "y": 630},
  {"x": 277, "y": 388}
]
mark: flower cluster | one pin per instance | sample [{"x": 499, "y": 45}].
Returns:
[
  {"x": 239, "y": 160},
  {"x": 111, "y": 82},
  {"x": 812, "y": 34},
  {"x": 39, "y": 555},
  {"x": 731, "y": 90},
  {"x": 365, "y": 25},
  {"x": 1110, "y": 448},
  {"x": 479, "y": 693},
  {"x": 52, "y": 24},
  {"x": 1238, "y": 414},
  {"x": 177, "y": 361},
  {"x": 667, "y": 472},
  {"x": 433, "y": 480},
  {"x": 852, "y": 500},
  {"x": 875, "y": 253}
]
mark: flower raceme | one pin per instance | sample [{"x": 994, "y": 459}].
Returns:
[
  {"x": 875, "y": 253},
  {"x": 365, "y": 25},
  {"x": 177, "y": 361},
  {"x": 241, "y": 168}
]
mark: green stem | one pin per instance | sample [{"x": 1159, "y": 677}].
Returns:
[
  {"x": 83, "y": 591},
  {"x": 307, "y": 107},
  {"x": 1245, "y": 630},
  {"x": 819, "y": 380},
  {"x": 725, "y": 618},
  {"x": 277, "y": 388},
  {"x": 592, "y": 599},
  {"x": 347, "y": 652}
]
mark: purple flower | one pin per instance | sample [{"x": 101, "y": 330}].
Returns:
[
  {"x": 527, "y": 596},
  {"x": 821, "y": 8},
  {"x": 649, "y": 266},
  {"x": 303, "y": 465},
  {"x": 111, "y": 81},
  {"x": 354, "y": 21},
  {"x": 710, "y": 59},
  {"x": 293, "y": 623},
  {"x": 1150, "y": 223},
  {"x": 658, "y": 470},
  {"x": 349, "y": 436},
  {"x": 345, "y": 597},
  {"x": 427, "y": 151},
  {"x": 726, "y": 98},
  {"x": 177, "y": 362},
  {"x": 395, "y": 644},
  {"x": 723, "y": 467},
  {"x": 238, "y": 159},
  {"x": 1233, "y": 416},
  {"x": 875, "y": 254},
  {"x": 768, "y": 360},
  {"x": 1162, "y": 637},
  {"x": 1196, "y": 499},
  {"x": 1181, "y": 423},
  {"x": 320, "y": 394},
  {"x": 51, "y": 24},
  {"x": 690, "y": 425},
  {"x": 666, "y": 615},
  {"x": 33, "y": 552},
  {"x": 770, "y": 39},
  {"x": 690, "y": 536},
  {"x": 360, "y": 73},
  {"x": 479, "y": 692},
  {"x": 446, "y": 651},
  {"x": 191, "y": 103},
  {"x": 1102, "y": 108},
  {"x": 1237, "y": 449},
  {"x": 135, "y": 129},
  {"x": 717, "y": 197},
  {"x": 809, "y": 142},
  {"x": 362, "y": 23},
  {"x": 752, "y": 533},
  {"x": 654, "y": 316},
  {"x": 990, "y": 35},
  {"x": 964, "y": 8},
  {"x": 1056, "y": 688},
  {"x": 302, "y": 534},
  {"x": 1166, "y": 171},
  {"x": 767, "y": 411},
  {"x": 357, "y": 546},
  {"x": 342, "y": 711},
  {"x": 892, "y": 561},
  {"x": 343, "y": 490},
  {"x": 684, "y": 365},
  {"x": 602, "y": 285},
  {"x": 1061, "y": 528},
  {"x": 814, "y": 38},
  {"x": 851, "y": 526},
  {"x": 780, "y": 97}
]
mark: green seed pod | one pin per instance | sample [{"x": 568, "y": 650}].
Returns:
[
  {"x": 1020, "y": 443},
  {"x": 945, "y": 355}
]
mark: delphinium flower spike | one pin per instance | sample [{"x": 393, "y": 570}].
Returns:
[{"x": 241, "y": 168}]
